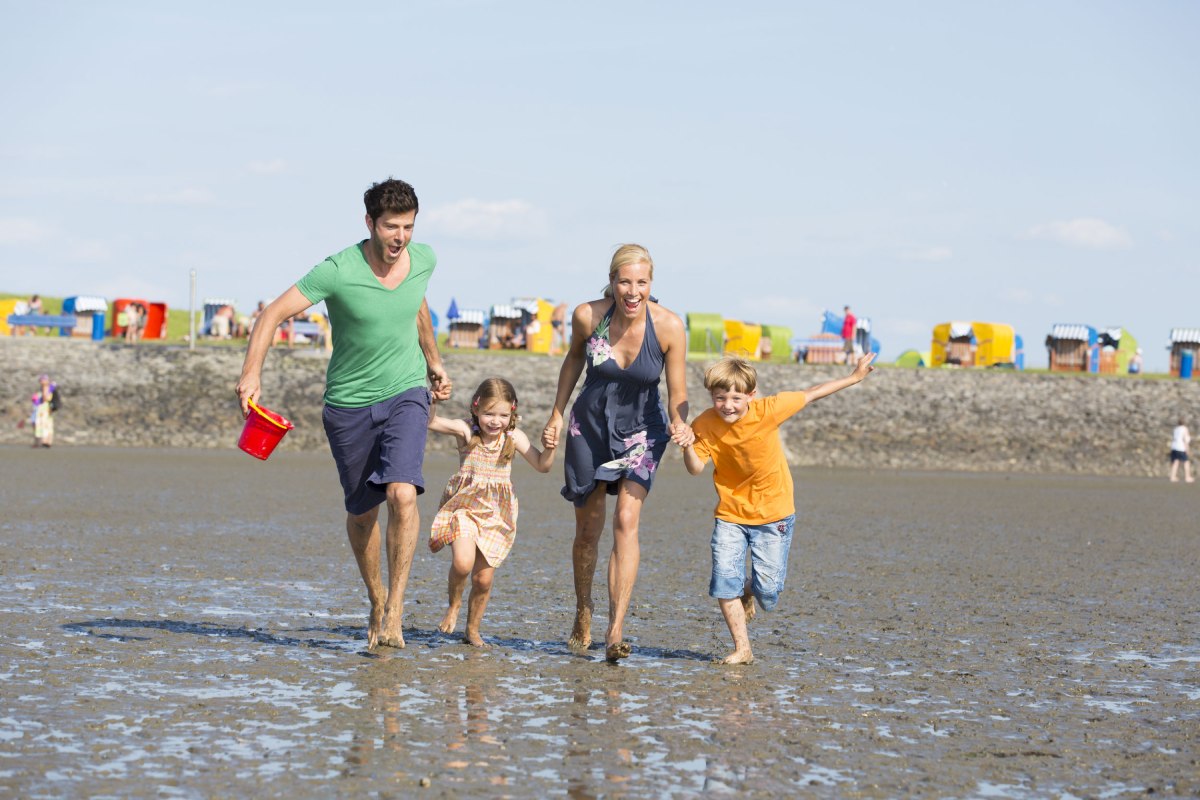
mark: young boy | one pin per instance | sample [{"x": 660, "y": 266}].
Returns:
[{"x": 755, "y": 504}]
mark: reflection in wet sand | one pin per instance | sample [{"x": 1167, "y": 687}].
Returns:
[{"x": 1014, "y": 639}]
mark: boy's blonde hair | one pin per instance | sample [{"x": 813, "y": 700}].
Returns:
[{"x": 731, "y": 374}]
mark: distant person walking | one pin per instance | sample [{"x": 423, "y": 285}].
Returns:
[
  {"x": 1135, "y": 362},
  {"x": 376, "y": 402},
  {"x": 849, "y": 325},
  {"x": 35, "y": 309},
  {"x": 135, "y": 320},
  {"x": 20, "y": 309},
  {"x": 558, "y": 329},
  {"x": 45, "y": 403},
  {"x": 1181, "y": 439}
]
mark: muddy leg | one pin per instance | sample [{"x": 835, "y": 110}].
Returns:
[
  {"x": 735, "y": 617},
  {"x": 623, "y": 566},
  {"x": 589, "y": 523},
  {"x": 403, "y": 521},
  {"x": 748, "y": 602},
  {"x": 462, "y": 559},
  {"x": 481, "y": 591},
  {"x": 363, "y": 530}
]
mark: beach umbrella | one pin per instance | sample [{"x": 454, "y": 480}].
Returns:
[{"x": 452, "y": 311}]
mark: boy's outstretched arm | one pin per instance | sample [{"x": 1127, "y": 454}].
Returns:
[{"x": 861, "y": 370}]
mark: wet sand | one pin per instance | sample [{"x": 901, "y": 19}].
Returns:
[{"x": 189, "y": 623}]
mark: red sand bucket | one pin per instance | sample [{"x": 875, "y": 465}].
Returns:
[{"x": 263, "y": 430}]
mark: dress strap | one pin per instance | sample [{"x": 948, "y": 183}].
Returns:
[{"x": 603, "y": 323}]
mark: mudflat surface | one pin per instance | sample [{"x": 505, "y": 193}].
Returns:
[{"x": 189, "y": 623}]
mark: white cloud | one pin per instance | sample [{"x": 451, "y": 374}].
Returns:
[
  {"x": 930, "y": 254},
  {"x": 503, "y": 220},
  {"x": 23, "y": 230},
  {"x": 182, "y": 197},
  {"x": 274, "y": 166},
  {"x": 1094, "y": 234}
]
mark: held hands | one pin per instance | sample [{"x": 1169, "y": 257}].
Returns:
[
  {"x": 682, "y": 434},
  {"x": 440, "y": 384},
  {"x": 551, "y": 431}
]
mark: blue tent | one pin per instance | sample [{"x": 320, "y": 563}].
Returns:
[{"x": 452, "y": 311}]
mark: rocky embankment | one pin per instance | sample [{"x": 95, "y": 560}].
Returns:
[{"x": 168, "y": 396}]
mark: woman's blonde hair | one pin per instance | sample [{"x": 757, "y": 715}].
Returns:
[
  {"x": 731, "y": 374},
  {"x": 486, "y": 393},
  {"x": 627, "y": 254}
]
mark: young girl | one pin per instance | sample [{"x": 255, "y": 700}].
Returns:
[{"x": 478, "y": 513}]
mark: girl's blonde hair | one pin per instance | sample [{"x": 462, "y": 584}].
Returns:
[
  {"x": 486, "y": 393},
  {"x": 627, "y": 254},
  {"x": 731, "y": 374}
]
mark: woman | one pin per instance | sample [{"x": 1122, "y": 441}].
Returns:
[
  {"x": 43, "y": 410},
  {"x": 618, "y": 429}
]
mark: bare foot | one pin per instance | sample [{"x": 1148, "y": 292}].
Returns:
[
  {"x": 449, "y": 621},
  {"x": 581, "y": 634},
  {"x": 391, "y": 634},
  {"x": 738, "y": 657},
  {"x": 475, "y": 640},
  {"x": 374, "y": 623},
  {"x": 615, "y": 652}
]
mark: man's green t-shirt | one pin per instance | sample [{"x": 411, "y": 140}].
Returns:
[{"x": 376, "y": 351}]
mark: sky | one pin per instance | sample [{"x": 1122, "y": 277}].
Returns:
[{"x": 1029, "y": 163}]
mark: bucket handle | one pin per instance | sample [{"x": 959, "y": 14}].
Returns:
[{"x": 250, "y": 402}]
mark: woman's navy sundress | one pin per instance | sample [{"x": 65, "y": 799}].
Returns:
[{"x": 618, "y": 426}]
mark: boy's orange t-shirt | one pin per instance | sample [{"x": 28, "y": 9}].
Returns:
[{"x": 750, "y": 470}]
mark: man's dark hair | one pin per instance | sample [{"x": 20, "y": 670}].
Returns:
[{"x": 390, "y": 196}]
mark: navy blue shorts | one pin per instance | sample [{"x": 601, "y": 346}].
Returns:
[{"x": 377, "y": 445}]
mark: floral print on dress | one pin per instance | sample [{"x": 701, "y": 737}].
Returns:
[
  {"x": 637, "y": 458},
  {"x": 573, "y": 425},
  {"x": 598, "y": 348}
]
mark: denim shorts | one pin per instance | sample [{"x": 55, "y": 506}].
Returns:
[
  {"x": 378, "y": 444},
  {"x": 769, "y": 545}
]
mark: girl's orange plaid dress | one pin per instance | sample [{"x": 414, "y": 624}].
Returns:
[{"x": 479, "y": 502}]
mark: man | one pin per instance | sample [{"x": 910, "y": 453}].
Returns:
[
  {"x": 558, "y": 329},
  {"x": 376, "y": 404},
  {"x": 849, "y": 324}
]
